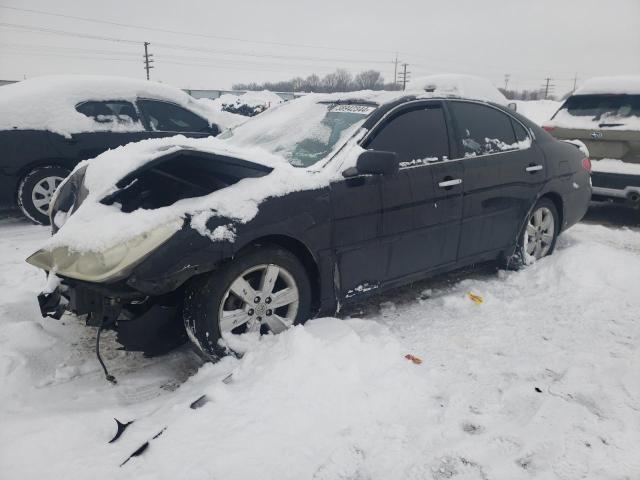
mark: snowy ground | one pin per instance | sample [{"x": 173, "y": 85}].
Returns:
[{"x": 541, "y": 380}]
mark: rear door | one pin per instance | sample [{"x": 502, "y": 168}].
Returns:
[
  {"x": 503, "y": 170},
  {"x": 164, "y": 119}
]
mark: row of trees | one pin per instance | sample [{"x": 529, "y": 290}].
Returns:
[{"x": 339, "y": 81}]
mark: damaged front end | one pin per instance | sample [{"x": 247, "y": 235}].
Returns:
[{"x": 136, "y": 287}]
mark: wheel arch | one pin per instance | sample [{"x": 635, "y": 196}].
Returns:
[
  {"x": 556, "y": 198},
  {"x": 302, "y": 253}
]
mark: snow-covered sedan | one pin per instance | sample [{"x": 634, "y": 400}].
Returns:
[
  {"x": 318, "y": 202},
  {"x": 49, "y": 124}
]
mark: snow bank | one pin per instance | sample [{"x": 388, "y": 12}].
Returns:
[
  {"x": 629, "y": 84},
  {"x": 538, "y": 111},
  {"x": 468, "y": 86},
  {"x": 48, "y": 102}
]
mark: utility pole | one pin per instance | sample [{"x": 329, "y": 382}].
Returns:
[
  {"x": 575, "y": 82},
  {"x": 148, "y": 60},
  {"x": 395, "y": 71},
  {"x": 506, "y": 80},
  {"x": 404, "y": 75},
  {"x": 548, "y": 87}
]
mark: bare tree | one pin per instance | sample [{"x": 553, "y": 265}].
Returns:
[
  {"x": 369, "y": 80},
  {"x": 313, "y": 83},
  {"x": 344, "y": 80}
]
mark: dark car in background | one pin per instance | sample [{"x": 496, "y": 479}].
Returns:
[
  {"x": 316, "y": 203},
  {"x": 49, "y": 124},
  {"x": 604, "y": 114}
]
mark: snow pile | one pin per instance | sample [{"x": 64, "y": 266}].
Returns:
[
  {"x": 49, "y": 103},
  {"x": 538, "y": 111},
  {"x": 468, "y": 86},
  {"x": 248, "y": 104},
  {"x": 623, "y": 84}
]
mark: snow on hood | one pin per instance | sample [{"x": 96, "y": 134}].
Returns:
[
  {"x": 49, "y": 103},
  {"x": 468, "y": 86},
  {"x": 95, "y": 226},
  {"x": 629, "y": 84}
]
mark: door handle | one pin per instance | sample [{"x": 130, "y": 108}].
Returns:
[
  {"x": 450, "y": 183},
  {"x": 533, "y": 168}
]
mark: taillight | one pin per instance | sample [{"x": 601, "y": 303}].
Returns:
[
  {"x": 586, "y": 164},
  {"x": 548, "y": 128}
]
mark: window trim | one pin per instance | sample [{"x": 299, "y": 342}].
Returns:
[
  {"x": 411, "y": 105},
  {"x": 134, "y": 103},
  {"x": 147, "y": 125},
  {"x": 530, "y": 134}
]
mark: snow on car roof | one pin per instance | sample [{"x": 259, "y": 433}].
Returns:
[
  {"x": 49, "y": 103},
  {"x": 629, "y": 84},
  {"x": 467, "y": 86}
]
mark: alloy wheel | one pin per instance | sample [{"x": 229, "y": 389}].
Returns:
[
  {"x": 43, "y": 192},
  {"x": 540, "y": 232},
  {"x": 263, "y": 298}
]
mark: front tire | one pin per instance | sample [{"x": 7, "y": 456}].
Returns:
[
  {"x": 264, "y": 290},
  {"x": 539, "y": 234},
  {"x": 36, "y": 190}
]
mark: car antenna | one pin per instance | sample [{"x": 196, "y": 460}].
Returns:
[{"x": 110, "y": 378}]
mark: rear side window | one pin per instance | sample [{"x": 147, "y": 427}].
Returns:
[
  {"x": 417, "y": 136},
  {"x": 109, "y": 111},
  {"x": 521, "y": 133},
  {"x": 482, "y": 130},
  {"x": 167, "y": 117}
]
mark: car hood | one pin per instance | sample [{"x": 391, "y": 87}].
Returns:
[{"x": 213, "y": 179}]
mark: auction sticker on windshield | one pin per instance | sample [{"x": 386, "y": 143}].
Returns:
[{"x": 350, "y": 108}]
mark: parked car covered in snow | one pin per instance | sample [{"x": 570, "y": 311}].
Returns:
[
  {"x": 49, "y": 124},
  {"x": 315, "y": 203},
  {"x": 604, "y": 114}
]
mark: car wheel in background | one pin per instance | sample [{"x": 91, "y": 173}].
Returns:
[
  {"x": 538, "y": 237},
  {"x": 36, "y": 190},
  {"x": 264, "y": 290}
]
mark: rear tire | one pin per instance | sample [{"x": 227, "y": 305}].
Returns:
[
  {"x": 273, "y": 293},
  {"x": 36, "y": 190},
  {"x": 538, "y": 237}
]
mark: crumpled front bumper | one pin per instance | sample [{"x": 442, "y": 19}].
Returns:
[{"x": 149, "y": 324}]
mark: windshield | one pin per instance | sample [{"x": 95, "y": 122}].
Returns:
[
  {"x": 607, "y": 110},
  {"x": 303, "y": 131}
]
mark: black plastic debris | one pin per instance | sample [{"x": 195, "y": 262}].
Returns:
[
  {"x": 201, "y": 401},
  {"x": 538, "y": 390},
  {"x": 121, "y": 428},
  {"x": 142, "y": 448}
]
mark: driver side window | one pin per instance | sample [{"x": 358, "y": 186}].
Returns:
[{"x": 418, "y": 136}]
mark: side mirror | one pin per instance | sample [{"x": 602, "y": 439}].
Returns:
[
  {"x": 214, "y": 129},
  {"x": 376, "y": 162},
  {"x": 512, "y": 106}
]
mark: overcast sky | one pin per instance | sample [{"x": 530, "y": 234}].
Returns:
[{"x": 253, "y": 40}]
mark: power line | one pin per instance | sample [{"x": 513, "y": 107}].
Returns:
[{"x": 192, "y": 34}]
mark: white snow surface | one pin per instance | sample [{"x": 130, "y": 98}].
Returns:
[
  {"x": 629, "y": 84},
  {"x": 48, "y": 103},
  {"x": 614, "y": 165},
  {"x": 539, "y": 381},
  {"x": 537, "y": 111},
  {"x": 469, "y": 86}
]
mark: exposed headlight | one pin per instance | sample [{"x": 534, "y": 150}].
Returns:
[
  {"x": 67, "y": 198},
  {"x": 108, "y": 265}
]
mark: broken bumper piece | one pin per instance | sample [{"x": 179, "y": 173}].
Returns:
[{"x": 52, "y": 304}]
